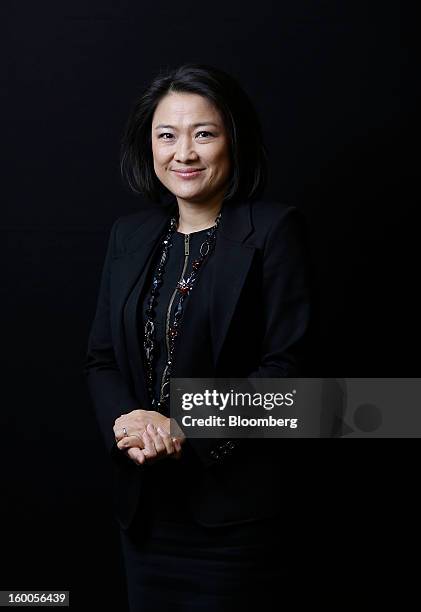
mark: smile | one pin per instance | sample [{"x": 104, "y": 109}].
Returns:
[{"x": 187, "y": 175}]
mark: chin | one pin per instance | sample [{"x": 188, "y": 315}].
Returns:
[
  {"x": 190, "y": 195},
  {"x": 196, "y": 196},
  {"x": 189, "y": 190}
]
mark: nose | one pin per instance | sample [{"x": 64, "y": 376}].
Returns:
[{"x": 185, "y": 150}]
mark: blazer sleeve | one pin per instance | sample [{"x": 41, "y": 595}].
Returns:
[
  {"x": 110, "y": 393},
  {"x": 286, "y": 315}
]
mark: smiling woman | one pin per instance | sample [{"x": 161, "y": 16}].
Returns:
[
  {"x": 212, "y": 283},
  {"x": 231, "y": 128}
]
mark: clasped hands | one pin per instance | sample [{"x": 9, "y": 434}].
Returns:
[{"x": 148, "y": 436}]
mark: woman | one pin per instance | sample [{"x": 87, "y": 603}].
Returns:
[{"x": 208, "y": 281}]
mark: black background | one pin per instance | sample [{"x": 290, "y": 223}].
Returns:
[{"x": 326, "y": 80}]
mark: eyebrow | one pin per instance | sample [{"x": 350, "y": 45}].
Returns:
[{"x": 161, "y": 125}]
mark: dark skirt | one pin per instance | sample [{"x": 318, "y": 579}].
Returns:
[{"x": 186, "y": 567}]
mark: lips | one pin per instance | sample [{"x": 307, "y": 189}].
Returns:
[
  {"x": 189, "y": 173},
  {"x": 188, "y": 170}
]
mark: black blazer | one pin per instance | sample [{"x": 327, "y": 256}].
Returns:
[{"x": 260, "y": 312}]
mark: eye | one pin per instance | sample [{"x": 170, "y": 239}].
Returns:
[{"x": 169, "y": 134}]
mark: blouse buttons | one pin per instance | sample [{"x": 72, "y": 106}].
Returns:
[{"x": 224, "y": 449}]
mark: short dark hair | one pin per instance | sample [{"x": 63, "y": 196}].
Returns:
[{"x": 248, "y": 152}]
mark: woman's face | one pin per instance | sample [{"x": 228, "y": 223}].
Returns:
[{"x": 188, "y": 133}]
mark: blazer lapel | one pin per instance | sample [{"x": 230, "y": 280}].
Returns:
[{"x": 232, "y": 263}]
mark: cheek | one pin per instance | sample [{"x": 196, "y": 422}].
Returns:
[
  {"x": 159, "y": 164},
  {"x": 219, "y": 160},
  {"x": 222, "y": 165},
  {"x": 156, "y": 165},
  {"x": 224, "y": 161},
  {"x": 159, "y": 155}
]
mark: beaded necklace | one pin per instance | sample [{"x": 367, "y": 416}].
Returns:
[{"x": 183, "y": 288}]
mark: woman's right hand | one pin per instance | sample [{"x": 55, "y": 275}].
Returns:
[
  {"x": 148, "y": 453},
  {"x": 152, "y": 446}
]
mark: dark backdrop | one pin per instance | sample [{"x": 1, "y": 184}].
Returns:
[{"x": 325, "y": 78}]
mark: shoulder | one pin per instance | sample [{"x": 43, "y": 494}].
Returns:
[
  {"x": 270, "y": 217},
  {"x": 126, "y": 225},
  {"x": 265, "y": 212}
]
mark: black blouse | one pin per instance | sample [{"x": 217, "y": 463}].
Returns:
[{"x": 199, "y": 296}]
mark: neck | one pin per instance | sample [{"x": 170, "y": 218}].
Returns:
[{"x": 194, "y": 216}]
